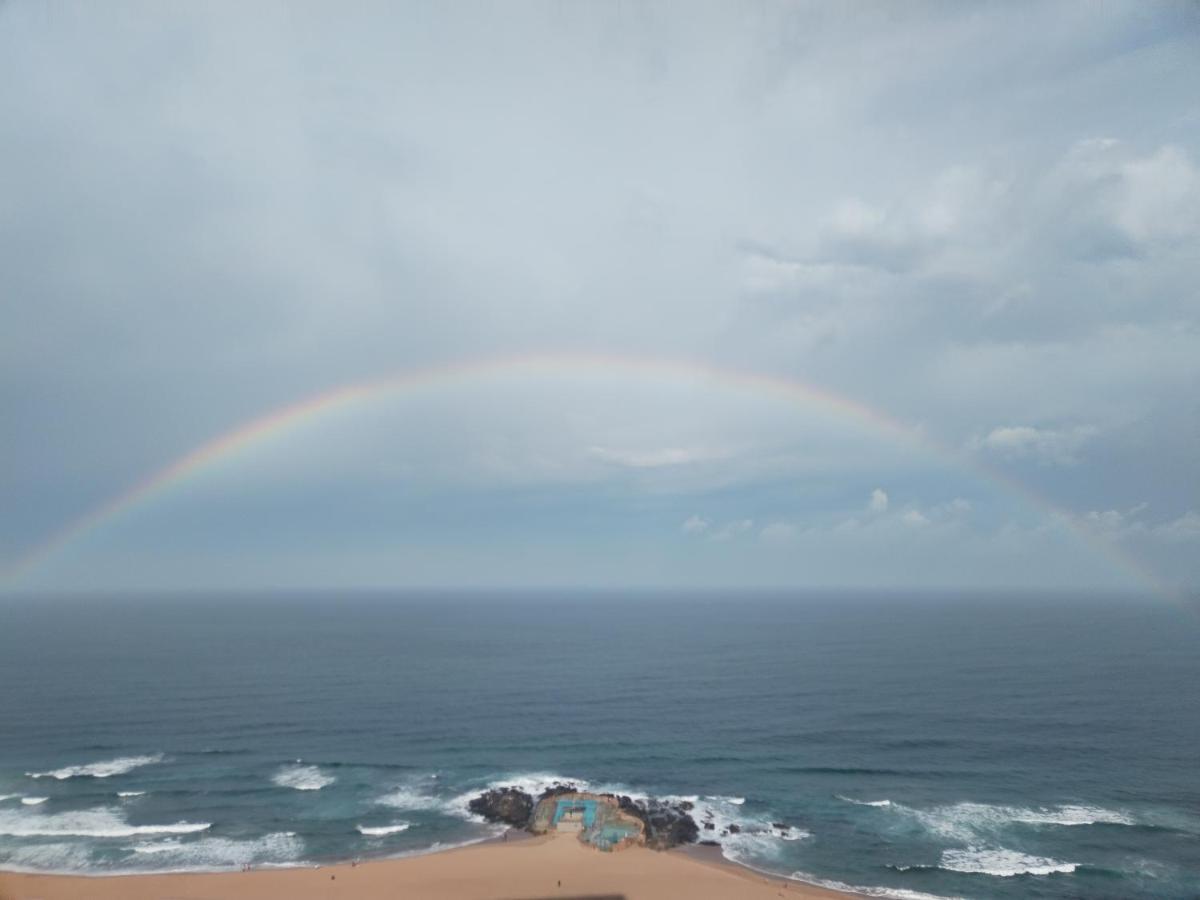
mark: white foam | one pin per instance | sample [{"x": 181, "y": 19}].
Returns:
[
  {"x": 126, "y": 794},
  {"x": 104, "y": 769},
  {"x": 411, "y": 797},
  {"x": 58, "y": 857},
  {"x": 1001, "y": 863},
  {"x": 757, "y": 837},
  {"x": 97, "y": 823},
  {"x": 966, "y": 822},
  {"x": 380, "y": 830},
  {"x": 888, "y": 892},
  {"x": 33, "y": 801},
  {"x": 880, "y": 803},
  {"x": 1072, "y": 815},
  {"x": 209, "y": 853},
  {"x": 302, "y": 778},
  {"x": 4, "y": 797}
]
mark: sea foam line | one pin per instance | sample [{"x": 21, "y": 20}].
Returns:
[
  {"x": 95, "y": 823},
  {"x": 103, "y": 769}
]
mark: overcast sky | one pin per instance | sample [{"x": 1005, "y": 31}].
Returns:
[{"x": 980, "y": 220}]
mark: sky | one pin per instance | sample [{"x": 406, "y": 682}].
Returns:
[{"x": 967, "y": 235}]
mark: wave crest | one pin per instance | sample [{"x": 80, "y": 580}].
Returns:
[
  {"x": 380, "y": 830},
  {"x": 1001, "y": 863},
  {"x": 94, "y": 823},
  {"x": 103, "y": 769},
  {"x": 302, "y": 778}
]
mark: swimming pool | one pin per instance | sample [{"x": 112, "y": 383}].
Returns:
[{"x": 567, "y": 805}]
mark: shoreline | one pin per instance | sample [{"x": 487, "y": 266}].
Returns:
[{"x": 528, "y": 866}]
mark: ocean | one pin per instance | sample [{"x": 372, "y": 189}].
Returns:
[{"x": 944, "y": 746}]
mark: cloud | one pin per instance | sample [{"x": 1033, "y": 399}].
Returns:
[
  {"x": 1132, "y": 525},
  {"x": 1186, "y": 528},
  {"x": 778, "y": 532},
  {"x": 1048, "y": 446},
  {"x": 731, "y": 530},
  {"x": 307, "y": 200}
]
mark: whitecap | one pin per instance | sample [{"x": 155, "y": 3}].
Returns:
[
  {"x": 103, "y": 769},
  {"x": 880, "y": 803},
  {"x": 127, "y": 794},
  {"x": 97, "y": 823},
  {"x": 966, "y": 822},
  {"x": 413, "y": 798},
  {"x": 33, "y": 801},
  {"x": 381, "y": 830},
  {"x": 1001, "y": 863},
  {"x": 302, "y": 778}
]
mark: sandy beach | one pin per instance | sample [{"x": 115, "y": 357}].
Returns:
[{"x": 545, "y": 867}]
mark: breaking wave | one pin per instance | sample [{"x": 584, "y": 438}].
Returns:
[
  {"x": 864, "y": 802},
  {"x": 302, "y": 778},
  {"x": 1001, "y": 863},
  {"x": 33, "y": 801},
  {"x": 380, "y": 830},
  {"x": 966, "y": 822},
  {"x": 104, "y": 769},
  {"x": 94, "y": 823}
]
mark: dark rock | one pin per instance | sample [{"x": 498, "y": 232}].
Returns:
[
  {"x": 666, "y": 825},
  {"x": 709, "y": 826},
  {"x": 735, "y": 829},
  {"x": 686, "y": 805},
  {"x": 781, "y": 826},
  {"x": 559, "y": 787},
  {"x": 508, "y": 805},
  {"x": 710, "y": 844}
]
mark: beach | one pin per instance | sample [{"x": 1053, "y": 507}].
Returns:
[{"x": 557, "y": 866}]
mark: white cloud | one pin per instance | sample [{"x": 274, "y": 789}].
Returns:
[
  {"x": 778, "y": 532},
  {"x": 1130, "y": 524},
  {"x": 1048, "y": 446},
  {"x": 914, "y": 518},
  {"x": 1185, "y": 528},
  {"x": 694, "y": 525},
  {"x": 733, "y": 529},
  {"x": 879, "y": 501}
]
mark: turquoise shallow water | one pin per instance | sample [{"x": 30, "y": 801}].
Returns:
[{"x": 977, "y": 746}]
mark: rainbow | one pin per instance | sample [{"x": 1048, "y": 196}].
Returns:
[{"x": 245, "y": 436}]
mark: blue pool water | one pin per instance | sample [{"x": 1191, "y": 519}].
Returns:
[
  {"x": 588, "y": 807},
  {"x": 971, "y": 746}
]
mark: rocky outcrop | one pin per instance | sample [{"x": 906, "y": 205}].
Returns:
[
  {"x": 666, "y": 824},
  {"x": 508, "y": 805}
]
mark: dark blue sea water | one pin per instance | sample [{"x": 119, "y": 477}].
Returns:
[{"x": 953, "y": 746}]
